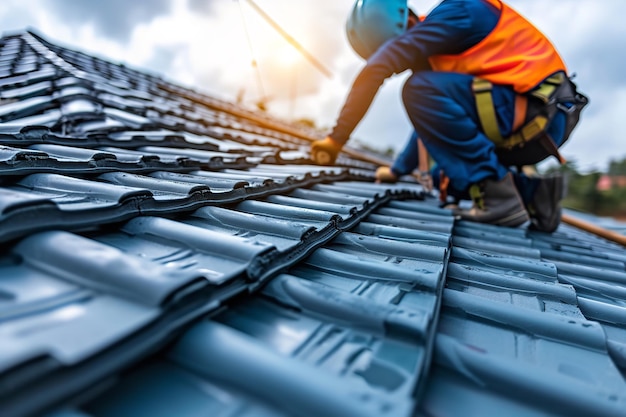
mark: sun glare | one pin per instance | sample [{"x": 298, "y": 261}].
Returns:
[{"x": 286, "y": 55}]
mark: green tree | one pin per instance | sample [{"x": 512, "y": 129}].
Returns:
[
  {"x": 583, "y": 194},
  {"x": 617, "y": 167}
]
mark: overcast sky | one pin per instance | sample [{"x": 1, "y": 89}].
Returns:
[{"x": 210, "y": 45}]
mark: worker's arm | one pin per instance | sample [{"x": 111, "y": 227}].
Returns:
[
  {"x": 361, "y": 95},
  {"x": 392, "y": 58},
  {"x": 451, "y": 28},
  {"x": 408, "y": 159},
  {"x": 387, "y": 61}
]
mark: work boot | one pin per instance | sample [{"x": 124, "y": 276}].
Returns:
[
  {"x": 495, "y": 202},
  {"x": 545, "y": 207}
]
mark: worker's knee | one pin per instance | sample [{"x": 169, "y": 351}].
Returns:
[
  {"x": 439, "y": 91},
  {"x": 417, "y": 88},
  {"x": 432, "y": 97}
]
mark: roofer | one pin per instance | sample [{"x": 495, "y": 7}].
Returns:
[{"x": 488, "y": 94}]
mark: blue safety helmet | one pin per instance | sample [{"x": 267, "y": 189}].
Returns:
[{"x": 374, "y": 22}]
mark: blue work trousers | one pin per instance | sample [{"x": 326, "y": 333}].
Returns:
[{"x": 442, "y": 109}]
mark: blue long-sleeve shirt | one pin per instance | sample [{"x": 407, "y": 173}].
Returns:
[
  {"x": 451, "y": 28},
  {"x": 408, "y": 159}
]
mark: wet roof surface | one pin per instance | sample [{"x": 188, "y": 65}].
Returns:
[{"x": 166, "y": 253}]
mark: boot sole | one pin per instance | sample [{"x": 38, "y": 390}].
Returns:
[{"x": 514, "y": 220}]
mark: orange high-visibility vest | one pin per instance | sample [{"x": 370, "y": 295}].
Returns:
[{"x": 515, "y": 53}]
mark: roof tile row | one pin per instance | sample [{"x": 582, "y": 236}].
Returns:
[{"x": 167, "y": 253}]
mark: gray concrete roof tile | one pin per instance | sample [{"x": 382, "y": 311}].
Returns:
[
  {"x": 179, "y": 392},
  {"x": 224, "y": 272}
]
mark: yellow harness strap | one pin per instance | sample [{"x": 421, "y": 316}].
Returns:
[
  {"x": 487, "y": 114},
  {"x": 545, "y": 90}
]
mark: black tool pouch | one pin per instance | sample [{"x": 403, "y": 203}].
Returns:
[{"x": 532, "y": 143}]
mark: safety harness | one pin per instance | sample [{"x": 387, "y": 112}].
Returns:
[
  {"x": 544, "y": 100},
  {"x": 530, "y": 142}
]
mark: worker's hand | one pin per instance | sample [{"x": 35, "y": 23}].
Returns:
[
  {"x": 325, "y": 151},
  {"x": 385, "y": 174}
]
